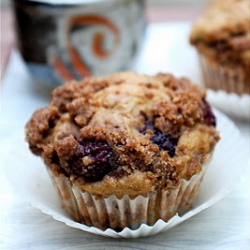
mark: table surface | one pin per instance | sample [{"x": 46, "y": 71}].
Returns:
[{"x": 223, "y": 226}]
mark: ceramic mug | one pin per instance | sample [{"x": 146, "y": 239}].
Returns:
[{"x": 63, "y": 40}]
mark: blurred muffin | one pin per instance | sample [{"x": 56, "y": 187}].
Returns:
[
  {"x": 222, "y": 38},
  {"x": 125, "y": 149}
]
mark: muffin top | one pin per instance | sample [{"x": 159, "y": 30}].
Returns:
[
  {"x": 125, "y": 133},
  {"x": 222, "y": 34},
  {"x": 221, "y": 20}
]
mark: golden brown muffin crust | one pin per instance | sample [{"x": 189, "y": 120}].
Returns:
[
  {"x": 125, "y": 133},
  {"x": 222, "y": 36},
  {"x": 222, "y": 20},
  {"x": 222, "y": 32}
]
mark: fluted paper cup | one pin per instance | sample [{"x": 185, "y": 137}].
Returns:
[
  {"x": 228, "y": 89},
  {"x": 132, "y": 212},
  {"x": 219, "y": 77}
]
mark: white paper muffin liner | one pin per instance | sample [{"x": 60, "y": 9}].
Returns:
[
  {"x": 30, "y": 182},
  {"x": 226, "y": 89},
  {"x": 217, "y": 77},
  {"x": 119, "y": 213},
  {"x": 236, "y": 106}
]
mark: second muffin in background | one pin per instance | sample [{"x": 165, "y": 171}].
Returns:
[
  {"x": 126, "y": 149},
  {"x": 222, "y": 38}
]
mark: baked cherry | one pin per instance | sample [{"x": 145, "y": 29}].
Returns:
[
  {"x": 91, "y": 160},
  {"x": 166, "y": 141},
  {"x": 208, "y": 115}
]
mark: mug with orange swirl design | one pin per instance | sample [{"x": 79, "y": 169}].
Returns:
[{"x": 62, "y": 40}]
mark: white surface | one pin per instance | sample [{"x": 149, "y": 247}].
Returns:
[{"x": 223, "y": 226}]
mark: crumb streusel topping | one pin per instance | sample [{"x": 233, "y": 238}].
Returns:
[
  {"x": 222, "y": 35},
  {"x": 125, "y": 133},
  {"x": 222, "y": 20}
]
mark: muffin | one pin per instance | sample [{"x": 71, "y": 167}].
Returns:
[
  {"x": 222, "y": 38},
  {"x": 125, "y": 149}
]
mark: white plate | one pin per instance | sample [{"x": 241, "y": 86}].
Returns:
[{"x": 29, "y": 179}]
